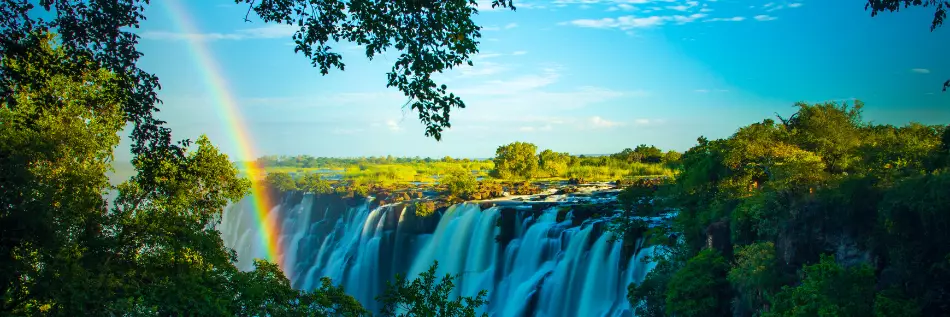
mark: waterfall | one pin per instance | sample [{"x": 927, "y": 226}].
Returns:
[{"x": 531, "y": 263}]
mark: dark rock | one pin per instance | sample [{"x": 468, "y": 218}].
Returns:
[{"x": 718, "y": 237}]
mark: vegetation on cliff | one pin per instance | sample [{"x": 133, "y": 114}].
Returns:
[{"x": 820, "y": 213}]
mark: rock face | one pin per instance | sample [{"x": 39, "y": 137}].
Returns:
[{"x": 718, "y": 237}]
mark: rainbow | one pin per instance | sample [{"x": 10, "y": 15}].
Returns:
[{"x": 226, "y": 105}]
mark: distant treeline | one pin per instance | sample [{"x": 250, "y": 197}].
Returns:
[{"x": 515, "y": 161}]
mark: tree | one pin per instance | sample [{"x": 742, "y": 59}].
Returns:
[
  {"x": 266, "y": 292},
  {"x": 648, "y": 298},
  {"x": 516, "y": 160},
  {"x": 700, "y": 287},
  {"x": 827, "y": 289},
  {"x": 281, "y": 181},
  {"x": 98, "y": 33},
  {"x": 459, "y": 182},
  {"x": 649, "y": 154},
  {"x": 829, "y": 130},
  {"x": 313, "y": 183},
  {"x": 940, "y": 12},
  {"x": 430, "y": 36},
  {"x": 755, "y": 275},
  {"x": 423, "y": 297},
  {"x": 155, "y": 250},
  {"x": 554, "y": 164},
  {"x": 672, "y": 157},
  {"x": 53, "y": 159}
]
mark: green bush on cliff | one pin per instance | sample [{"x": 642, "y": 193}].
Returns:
[
  {"x": 313, "y": 183},
  {"x": 424, "y": 208},
  {"x": 459, "y": 183},
  {"x": 827, "y": 289},
  {"x": 700, "y": 288},
  {"x": 819, "y": 182},
  {"x": 281, "y": 181}
]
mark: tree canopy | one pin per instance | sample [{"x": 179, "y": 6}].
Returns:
[
  {"x": 516, "y": 160},
  {"x": 818, "y": 214},
  {"x": 430, "y": 37}
]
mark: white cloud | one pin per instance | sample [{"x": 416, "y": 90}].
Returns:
[
  {"x": 921, "y": 70},
  {"x": 511, "y": 86},
  {"x": 644, "y": 121},
  {"x": 684, "y": 7},
  {"x": 482, "y": 69},
  {"x": 732, "y": 19},
  {"x": 631, "y": 22},
  {"x": 763, "y": 17},
  {"x": 393, "y": 125},
  {"x": 770, "y": 7},
  {"x": 598, "y": 122},
  {"x": 589, "y": 2},
  {"x": 702, "y": 91},
  {"x": 499, "y": 28},
  {"x": 622, "y": 7},
  {"x": 678, "y": 7},
  {"x": 267, "y": 32},
  {"x": 516, "y": 53}
]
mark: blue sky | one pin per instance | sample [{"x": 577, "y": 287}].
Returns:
[{"x": 579, "y": 76}]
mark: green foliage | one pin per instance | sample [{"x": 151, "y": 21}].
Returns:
[
  {"x": 55, "y": 136},
  {"x": 516, "y": 160},
  {"x": 313, "y": 183},
  {"x": 389, "y": 171},
  {"x": 649, "y": 297},
  {"x": 914, "y": 216},
  {"x": 700, "y": 287},
  {"x": 672, "y": 158},
  {"x": 892, "y": 303},
  {"x": 460, "y": 183},
  {"x": 553, "y": 164},
  {"x": 97, "y": 35},
  {"x": 755, "y": 275},
  {"x": 265, "y": 291},
  {"x": 636, "y": 201},
  {"x": 822, "y": 181},
  {"x": 430, "y": 37},
  {"x": 428, "y": 296},
  {"x": 281, "y": 181},
  {"x": 642, "y": 154},
  {"x": 829, "y": 131},
  {"x": 827, "y": 289},
  {"x": 424, "y": 208},
  {"x": 65, "y": 251}
]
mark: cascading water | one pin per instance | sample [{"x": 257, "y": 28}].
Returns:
[{"x": 530, "y": 263}]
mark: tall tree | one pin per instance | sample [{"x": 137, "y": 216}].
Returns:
[
  {"x": 516, "y": 160},
  {"x": 430, "y": 36}
]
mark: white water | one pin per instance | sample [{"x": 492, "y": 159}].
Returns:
[{"x": 546, "y": 269}]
